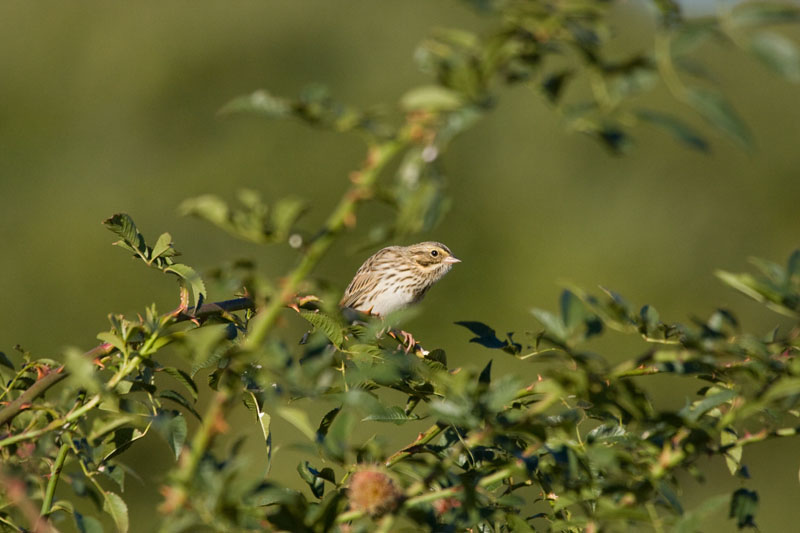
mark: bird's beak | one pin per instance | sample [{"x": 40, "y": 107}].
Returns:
[{"x": 451, "y": 259}]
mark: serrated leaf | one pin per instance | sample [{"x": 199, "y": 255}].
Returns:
[
  {"x": 116, "y": 507},
  {"x": 720, "y": 114},
  {"x": 431, "y": 98},
  {"x": 394, "y": 414},
  {"x": 188, "y": 274},
  {"x": 178, "y": 398},
  {"x": 163, "y": 247},
  {"x": 777, "y": 53},
  {"x": 327, "y": 324},
  {"x": 259, "y": 102},
  {"x": 183, "y": 378},
  {"x": 123, "y": 225}
]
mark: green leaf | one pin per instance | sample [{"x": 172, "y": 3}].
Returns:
[
  {"x": 778, "y": 53},
  {"x": 183, "y": 378},
  {"x": 693, "y": 521},
  {"x": 518, "y": 525},
  {"x": 676, "y": 127},
  {"x": 113, "y": 339},
  {"x": 122, "y": 224},
  {"x": 573, "y": 311},
  {"x": 744, "y": 504},
  {"x": 179, "y": 399},
  {"x": 298, "y": 419},
  {"x": 260, "y": 102},
  {"x": 325, "y": 423},
  {"x": 163, "y": 247},
  {"x": 172, "y": 426},
  {"x": 264, "y": 422},
  {"x": 327, "y": 324},
  {"x": 82, "y": 372},
  {"x": 312, "y": 478},
  {"x": 733, "y": 456},
  {"x": 431, "y": 98},
  {"x": 394, "y": 414},
  {"x": 87, "y": 524},
  {"x": 188, "y": 274},
  {"x": 115, "y": 506},
  {"x": 552, "y": 324},
  {"x": 285, "y": 213},
  {"x": 720, "y": 114},
  {"x": 5, "y": 361}
]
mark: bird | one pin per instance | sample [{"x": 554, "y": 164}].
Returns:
[{"x": 396, "y": 277}]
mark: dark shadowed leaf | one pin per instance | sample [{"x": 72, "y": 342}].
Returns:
[
  {"x": 485, "y": 378},
  {"x": 744, "y": 504},
  {"x": 553, "y": 85},
  {"x": 5, "y": 361},
  {"x": 485, "y": 336}
]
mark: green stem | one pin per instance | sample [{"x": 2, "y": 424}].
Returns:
[
  {"x": 424, "y": 438},
  {"x": 190, "y": 459},
  {"x": 55, "y": 473}
]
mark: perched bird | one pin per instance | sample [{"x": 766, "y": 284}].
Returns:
[{"x": 396, "y": 277}]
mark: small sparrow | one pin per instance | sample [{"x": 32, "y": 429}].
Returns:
[{"x": 396, "y": 277}]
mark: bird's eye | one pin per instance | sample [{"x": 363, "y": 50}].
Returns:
[{"x": 434, "y": 253}]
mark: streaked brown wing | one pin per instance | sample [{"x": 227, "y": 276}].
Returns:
[{"x": 366, "y": 278}]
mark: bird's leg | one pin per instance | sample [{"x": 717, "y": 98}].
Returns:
[{"x": 407, "y": 340}]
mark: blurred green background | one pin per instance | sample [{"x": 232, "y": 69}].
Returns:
[{"x": 109, "y": 107}]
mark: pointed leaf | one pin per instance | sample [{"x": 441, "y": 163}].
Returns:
[
  {"x": 327, "y": 324},
  {"x": 720, "y": 114},
  {"x": 183, "y": 378},
  {"x": 676, "y": 127},
  {"x": 115, "y": 506}
]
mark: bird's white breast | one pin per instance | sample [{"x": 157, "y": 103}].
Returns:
[{"x": 388, "y": 301}]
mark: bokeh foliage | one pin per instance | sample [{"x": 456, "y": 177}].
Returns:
[{"x": 580, "y": 447}]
